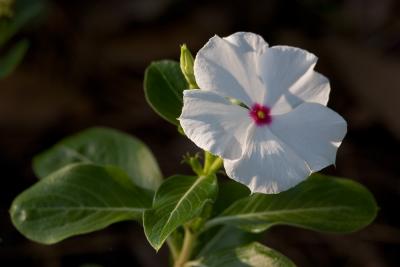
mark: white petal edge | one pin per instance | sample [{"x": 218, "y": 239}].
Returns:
[
  {"x": 247, "y": 41},
  {"x": 229, "y": 67},
  {"x": 288, "y": 72},
  {"x": 267, "y": 165},
  {"x": 213, "y": 123},
  {"x": 313, "y": 131}
]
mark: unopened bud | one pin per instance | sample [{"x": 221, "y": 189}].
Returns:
[{"x": 186, "y": 62}]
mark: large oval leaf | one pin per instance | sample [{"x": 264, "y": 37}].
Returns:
[
  {"x": 103, "y": 146},
  {"x": 77, "y": 199},
  {"x": 250, "y": 255},
  {"x": 163, "y": 86},
  {"x": 178, "y": 200},
  {"x": 320, "y": 203}
]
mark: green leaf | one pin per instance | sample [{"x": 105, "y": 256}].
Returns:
[
  {"x": 250, "y": 255},
  {"x": 77, "y": 199},
  {"x": 103, "y": 146},
  {"x": 229, "y": 192},
  {"x": 320, "y": 203},
  {"x": 12, "y": 58},
  {"x": 225, "y": 236},
  {"x": 222, "y": 237},
  {"x": 163, "y": 86},
  {"x": 178, "y": 200}
]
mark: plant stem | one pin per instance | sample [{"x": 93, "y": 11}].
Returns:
[
  {"x": 208, "y": 160},
  {"x": 215, "y": 166},
  {"x": 187, "y": 247},
  {"x": 211, "y": 163},
  {"x": 173, "y": 249}
]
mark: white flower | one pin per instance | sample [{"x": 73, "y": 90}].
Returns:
[{"x": 284, "y": 135}]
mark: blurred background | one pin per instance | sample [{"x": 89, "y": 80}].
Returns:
[{"x": 85, "y": 66}]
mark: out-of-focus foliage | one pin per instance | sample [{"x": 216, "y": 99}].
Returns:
[
  {"x": 13, "y": 17},
  {"x": 6, "y": 8}
]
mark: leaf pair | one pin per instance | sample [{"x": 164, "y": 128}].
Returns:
[
  {"x": 321, "y": 203},
  {"x": 89, "y": 181}
]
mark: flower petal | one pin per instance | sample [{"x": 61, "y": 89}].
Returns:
[
  {"x": 290, "y": 80},
  {"x": 247, "y": 41},
  {"x": 267, "y": 164},
  {"x": 313, "y": 131},
  {"x": 229, "y": 67},
  {"x": 313, "y": 87},
  {"x": 213, "y": 123}
]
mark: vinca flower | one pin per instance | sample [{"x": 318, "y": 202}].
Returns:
[{"x": 263, "y": 111}]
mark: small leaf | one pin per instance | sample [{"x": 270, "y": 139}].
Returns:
[
  {"x": 178, "y": 200},
  {"x": 250, "y": 255},
  {"x": 77, "y": 199},
  {"x": 103, "y": 146},
  {"x": 320, "y": 203},
  {"x": 12, "y": 58},
  {"x": 163, "y": 86}
]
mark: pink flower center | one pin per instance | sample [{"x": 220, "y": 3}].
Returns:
[{"x": 260, "y": 115}]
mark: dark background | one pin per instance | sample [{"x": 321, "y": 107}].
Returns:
[{"x": 85, "y": 67}]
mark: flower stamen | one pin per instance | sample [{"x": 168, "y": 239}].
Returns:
[{"x": 260, "y": 114}]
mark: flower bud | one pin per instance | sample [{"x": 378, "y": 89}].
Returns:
[{"x": 186, "y": 61}]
